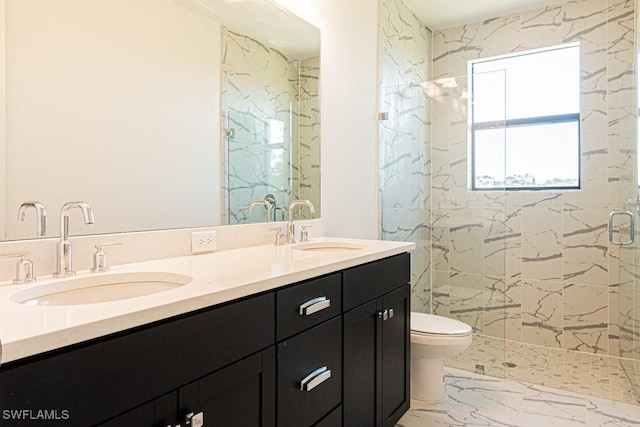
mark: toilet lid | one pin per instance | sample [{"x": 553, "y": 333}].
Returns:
[{"x": 438, "y": 325}]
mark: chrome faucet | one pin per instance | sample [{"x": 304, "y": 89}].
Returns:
[
  {"x": 64, "y": 266},
  {"x": 266, "y": 205},
  {"x": 274, "y": 205},
  {"x": 41, "y": 212},
  {"x": 291, "y": 227}
]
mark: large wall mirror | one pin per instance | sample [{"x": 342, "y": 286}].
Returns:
[{"x": 158, "y": 113}]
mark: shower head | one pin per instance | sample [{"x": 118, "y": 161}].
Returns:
[
  {"x": 431, "y": 89},
  {"x": 448, "y": 82}
]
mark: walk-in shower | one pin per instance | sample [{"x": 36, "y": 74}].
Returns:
[{"x": 516, "y": 265}]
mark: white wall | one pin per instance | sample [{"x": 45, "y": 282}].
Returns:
[
  {"x": 3, "y": 134},
  {"x": 104, "y": 83},
  {"x": 348, "y": 103}
]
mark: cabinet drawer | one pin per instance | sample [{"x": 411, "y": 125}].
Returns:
[
  {"x": 308, "y": 304},
  {"x": 372, "y": 280},
  {"x": 302, "y": 357},
  {"x": 334, "y": 419}
]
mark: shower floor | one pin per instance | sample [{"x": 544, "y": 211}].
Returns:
[{"x": 591, "y": 374}]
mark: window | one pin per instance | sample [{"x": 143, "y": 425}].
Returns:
[{"x": 525, "y": 120}]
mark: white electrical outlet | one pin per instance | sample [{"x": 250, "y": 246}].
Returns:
[{"x": 203, "y": 241}]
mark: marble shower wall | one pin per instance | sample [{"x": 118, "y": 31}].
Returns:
[
  {"x": 405, "y": 161},
  {"x": 536, "y": 266},
  {"x": 271, "y": 103}
]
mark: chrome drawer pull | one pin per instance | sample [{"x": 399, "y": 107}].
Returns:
[
  {"x": 314, "y": 305},
  {"x": 315, "y": 378}
]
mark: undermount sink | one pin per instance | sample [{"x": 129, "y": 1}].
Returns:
[
  {"x": 99, "y": 288},
  {"x": 329, "y": 246}
]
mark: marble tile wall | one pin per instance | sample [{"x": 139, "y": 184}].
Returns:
[
  {"x": 405, "y": 161},
  {"x": 306, "y": 164},
  {"x": 528, "y": 266},
  {"x": 271, "y": 102}
]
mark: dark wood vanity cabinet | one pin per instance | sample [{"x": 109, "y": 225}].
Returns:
[
  {"x": 103, "y": 378},
  {"x": 309, "y": 351},
  {"x": 242, "y": 394},
  {"x": 159, "y": 412},
  {"x": 310, "y": 375},
  {"x": 376, "y": 342},
  {"x": 314, "y": 353}
]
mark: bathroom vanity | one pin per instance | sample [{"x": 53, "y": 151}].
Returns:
[{"x": 298, "y": 338}]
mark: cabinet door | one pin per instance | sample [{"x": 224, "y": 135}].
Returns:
[
  {"x": 376, "y": 361},
  {"x": 360, "y": 371},
  {"x": 142, "y": 416},
  {"x": 242, "y": 394},
  {"x": 162, "y": 412},
  {"x": 395, "y": 356}
]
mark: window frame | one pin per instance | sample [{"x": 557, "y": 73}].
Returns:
[{"x": 521, "y": 122}]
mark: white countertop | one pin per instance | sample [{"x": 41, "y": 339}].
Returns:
[{"x": 27, "y": 330}]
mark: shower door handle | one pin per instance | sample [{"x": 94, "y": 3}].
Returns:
[{"x": 632, "y": 228}]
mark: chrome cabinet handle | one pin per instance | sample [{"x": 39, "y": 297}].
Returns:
[
  {"x": 386, "y": 314},
  {"x": 632, "y": 227},
  {"x": 195, "y": 420},
  {"x": 314, "y": 305},
  {"x": 315, "y": 378}
]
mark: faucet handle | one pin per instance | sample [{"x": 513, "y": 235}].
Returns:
[
  {"x": 304, "y": 233},
  {"x": 100, "y": 258},
  {"x": 280, "y": 238},
  {"x": 24, "y": 267}
]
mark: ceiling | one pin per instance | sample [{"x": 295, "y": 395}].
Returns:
[
  {"x": 439, "y": 14},
  {"x": 262, "y": 20}
]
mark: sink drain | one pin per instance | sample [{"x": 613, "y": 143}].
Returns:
[{"x": 509, "y": 364}]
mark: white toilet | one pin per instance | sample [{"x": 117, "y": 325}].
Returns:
[{"x": 432, "y": 339}]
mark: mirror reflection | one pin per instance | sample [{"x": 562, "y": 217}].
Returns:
[
  {"x": 158, "y": 114},
  {"x": 271, "y": 109}
]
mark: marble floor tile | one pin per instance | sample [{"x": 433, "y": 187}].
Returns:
[
  {"x": 546, "y": 406},
  {"x": 609, "y": 413},
  {"x": 478, "y": 400},
  {"x": 591, "y": 374}
]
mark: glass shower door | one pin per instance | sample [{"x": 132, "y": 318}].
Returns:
[
  {"x": 459, "y": 268},
  {"x": 624, "y": 221},
  {"x": 257, "y": 165},
  {"x": 470, "y": 220}
]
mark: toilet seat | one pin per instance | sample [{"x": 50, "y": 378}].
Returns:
[{"x": 432, "y": 325}]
